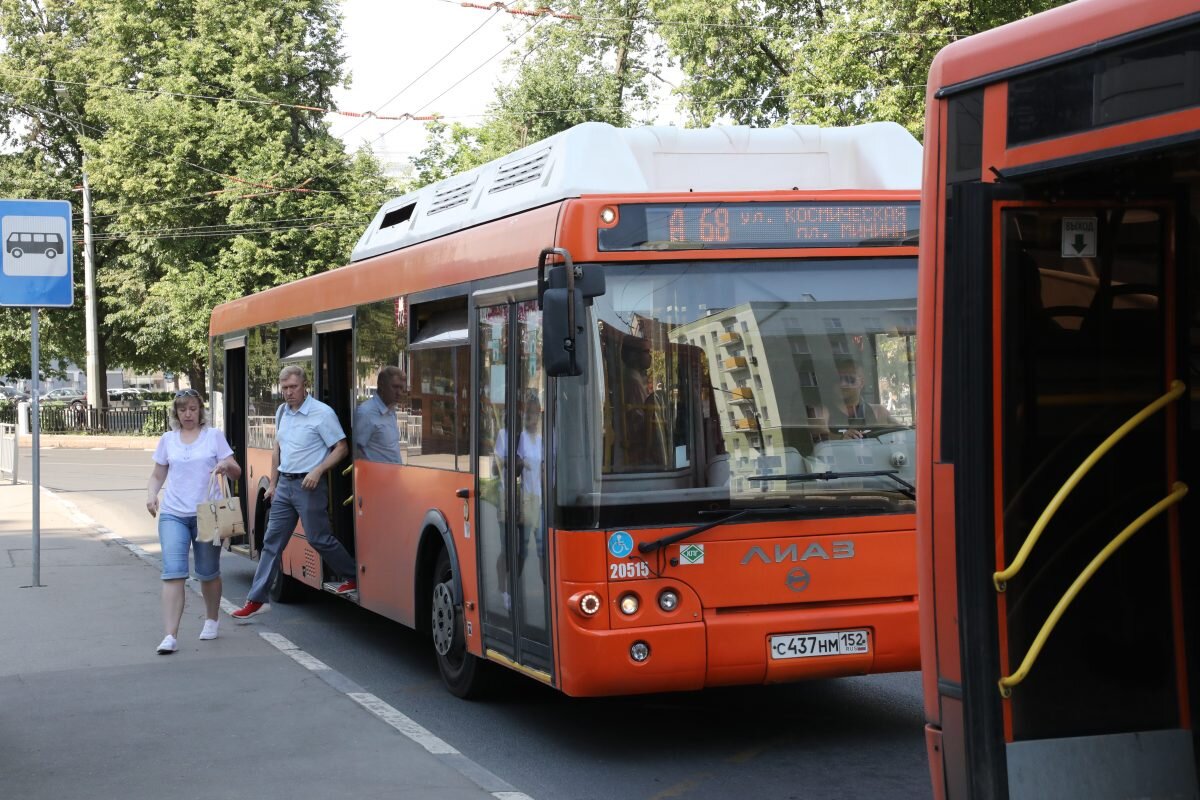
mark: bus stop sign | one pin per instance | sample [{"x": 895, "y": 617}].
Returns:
[{"x": 35, "y": 264}]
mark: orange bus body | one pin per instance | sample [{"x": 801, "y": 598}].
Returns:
[
  {"x": 981, "y": 743},
  {"x": 718, "y": 633}
]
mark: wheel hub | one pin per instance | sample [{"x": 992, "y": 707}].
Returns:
[{"x": 443, "y": 618}]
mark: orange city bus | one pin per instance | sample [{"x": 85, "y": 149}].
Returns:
[
  {"x": 657, "y": 433},
  {"x": 1057, "y": 408}
]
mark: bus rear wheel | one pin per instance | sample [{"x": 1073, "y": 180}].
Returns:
[
  {"x": 464, "y": 674},
  {"x": 51, "y": 252}
]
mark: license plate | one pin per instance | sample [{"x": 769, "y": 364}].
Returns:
[{"x": 825, "y": 643}]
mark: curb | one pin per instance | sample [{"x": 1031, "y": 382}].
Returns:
[{"x": 83, "y": 442}]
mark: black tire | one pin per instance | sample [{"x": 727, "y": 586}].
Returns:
[
  {"x": 77, "y": 405},
  {"x": 51, "y": 252},
  {"x": 285, "y": 589},
  {"x": 16, "y": 252},
  {"x": 464, "y": 674}
]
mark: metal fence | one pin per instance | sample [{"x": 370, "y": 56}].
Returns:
[{"x": 120, "y": 421}]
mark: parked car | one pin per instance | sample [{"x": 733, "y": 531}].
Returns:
[
  {"x": 72, "y": 397},
  {"x": 12, "y": 394},
  {"x": 124, "y": 393}
]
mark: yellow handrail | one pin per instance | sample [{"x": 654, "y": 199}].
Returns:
[
  {"x": 1006, "y": 683},
  {"x": 1001, "y": 579}
]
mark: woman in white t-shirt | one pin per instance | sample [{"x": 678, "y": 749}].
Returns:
[{"x": 185, "y": 458}]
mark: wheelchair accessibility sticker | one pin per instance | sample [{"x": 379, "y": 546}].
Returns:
[{"x": 620, "y": 544}]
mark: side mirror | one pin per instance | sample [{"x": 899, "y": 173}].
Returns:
[
  {"x": 564, "y": 341},
  {"x": 563, "y": 292}
]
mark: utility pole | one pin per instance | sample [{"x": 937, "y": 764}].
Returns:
[{"x": 97, "y": 389}]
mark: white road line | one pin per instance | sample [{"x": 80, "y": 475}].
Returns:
[
  {"x": 511, "y": 796},
  {"x": 406, "y": 725},
  {"x": 295, "y": 653}
]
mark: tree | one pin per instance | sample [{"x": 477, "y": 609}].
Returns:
[
  {"x": 594, "y": 61},
  {"x": 827, "y": 62},
  {"x": 209, "y": 183}
]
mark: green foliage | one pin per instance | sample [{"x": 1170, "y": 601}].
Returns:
[
  {"x": 198, "y": 200},
  {"x": 600, "y": 67},
  {"x": 822, "y": 62}
]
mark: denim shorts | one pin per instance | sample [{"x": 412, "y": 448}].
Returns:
[{"x": 176, "y": 535}]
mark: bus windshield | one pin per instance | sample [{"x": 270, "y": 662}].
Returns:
[{"x": 722, "y": 386}]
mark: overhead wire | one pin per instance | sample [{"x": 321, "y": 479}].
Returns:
[{"x": 428, "y": 69}]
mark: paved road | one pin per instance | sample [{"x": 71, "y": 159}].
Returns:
[{"x": 846, "y": 738}]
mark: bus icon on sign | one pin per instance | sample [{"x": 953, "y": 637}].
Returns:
[
  {"x": 35, "y": 247},
  {"x": 47, "y": 244}
]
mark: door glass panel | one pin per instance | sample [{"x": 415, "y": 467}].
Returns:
[
  {"x": 529, "y": 468},
  {"x": 494, "y": 484}
]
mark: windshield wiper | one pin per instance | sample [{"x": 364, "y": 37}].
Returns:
[
  {"x": 907, "y": 489},
  {"x": 649, "y": 547}
]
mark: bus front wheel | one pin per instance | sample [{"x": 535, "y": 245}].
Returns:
[
  {"x": 463, "y": 673},
  {"x": 16, "y": 252}
]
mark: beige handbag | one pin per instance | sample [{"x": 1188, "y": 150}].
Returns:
[{"x": 220, "y": 518}]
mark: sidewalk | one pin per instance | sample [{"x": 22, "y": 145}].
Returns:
[{"x": 88, "y": 709}]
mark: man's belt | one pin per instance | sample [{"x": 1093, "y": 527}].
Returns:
[{"x": 296, "y": 476}]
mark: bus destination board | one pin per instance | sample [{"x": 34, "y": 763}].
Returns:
[{"x": 730, "y": 226}]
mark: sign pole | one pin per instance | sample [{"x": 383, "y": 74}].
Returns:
[
  {"x": 35, "y": 273},
  {"x": 36, "y": 427}
]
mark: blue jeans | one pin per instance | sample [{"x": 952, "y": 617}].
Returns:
[
  {"x": 177, "y": 535},
  {"x": 291, "y": 503}
]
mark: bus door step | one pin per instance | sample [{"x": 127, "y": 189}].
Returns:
[{"x": 332, "y": 586}]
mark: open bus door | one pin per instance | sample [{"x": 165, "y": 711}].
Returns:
[
  {"x": 514, "y": 561},
  {"x": 234, "y": 422},
  {"x": 1090, "y": 635},
  {"x": 335, "y": 388}
]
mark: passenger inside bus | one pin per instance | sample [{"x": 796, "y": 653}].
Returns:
[
  {"x": 644, "y": 441},
  {"x": 376, "y": 431}
]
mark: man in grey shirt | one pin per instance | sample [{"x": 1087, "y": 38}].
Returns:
[
  {"x": 376, "y": 433},
  {"x": 309, "y": 441}
]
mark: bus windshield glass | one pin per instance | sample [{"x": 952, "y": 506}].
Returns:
[{"x": 720, "y": 386}]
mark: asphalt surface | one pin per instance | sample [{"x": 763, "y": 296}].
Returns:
[{"x": 844, "y": 738}]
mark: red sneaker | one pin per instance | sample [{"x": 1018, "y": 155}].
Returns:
[
  {"x": 249, "y": 610},
  {"x": 347, "y": 587}
]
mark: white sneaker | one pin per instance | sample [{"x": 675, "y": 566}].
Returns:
[
  {"x": 168, "y": 645},
  {"x": 210, "y": 629}
]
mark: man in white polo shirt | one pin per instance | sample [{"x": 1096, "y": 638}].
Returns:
[
  {"x": 376, "y": 434},
  {"x": 309, "y": 441}
]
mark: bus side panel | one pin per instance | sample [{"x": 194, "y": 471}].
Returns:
[
  {"x": 948, "y": 665},
  {"x": 390, "y": 505}
]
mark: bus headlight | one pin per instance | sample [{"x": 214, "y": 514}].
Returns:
[
  {"x": 639, "y": 651},
  {"x": 668, "y": 600},
  {"x": 608, "y": 215},
  {"x": 629, "y": 604},
  {"x": 586, "y": 604}
]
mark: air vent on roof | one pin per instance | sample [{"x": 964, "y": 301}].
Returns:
[
  {"x": 515, "y": 173},
  {"x": 398, "y": 215},
  {"x": 451, "y": 196}
]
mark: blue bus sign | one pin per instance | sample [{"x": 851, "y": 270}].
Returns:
[{"x": 35, "y": 263}]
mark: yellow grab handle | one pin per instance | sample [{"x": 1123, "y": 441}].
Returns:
[
  {"x": 1001, "y": 579},
  {"x": 1006, "y": 683}
]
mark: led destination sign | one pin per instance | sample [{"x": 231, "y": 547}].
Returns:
[{"x": 725, "y": 226}]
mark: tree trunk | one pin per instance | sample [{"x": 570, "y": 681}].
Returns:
[{"x": 196, "y": 374}]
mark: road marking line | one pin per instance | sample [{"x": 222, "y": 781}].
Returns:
[
  {"x": 406, "y": 725},
  {"x": 295, "y": 653},
  {"x": 511, "y": 796}
]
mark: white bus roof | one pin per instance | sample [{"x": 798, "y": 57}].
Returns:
[{"x": 596, "y": 158}]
